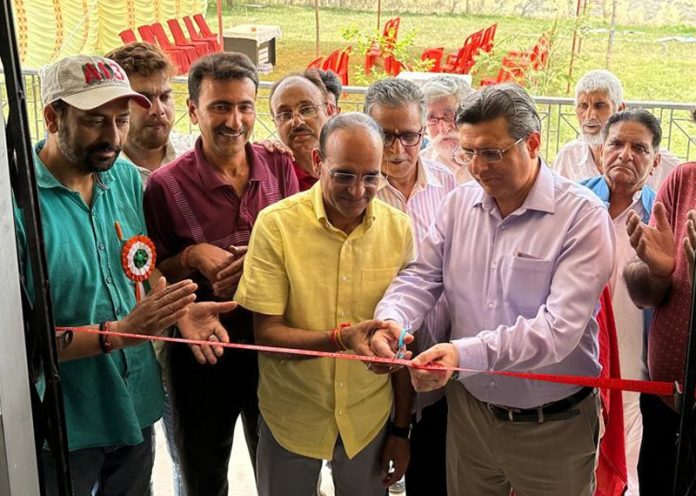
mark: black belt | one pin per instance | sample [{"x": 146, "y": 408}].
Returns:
[{"x": 558, "y": 410}]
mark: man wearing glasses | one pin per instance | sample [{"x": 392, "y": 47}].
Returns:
[
  {"x": 521, "y": 255},
  {"x": 442, "y": 96},
  {"x": 299, "y": 108},
  {"x": 316, "y": 409},
  {"x": 415, "y": 186}
]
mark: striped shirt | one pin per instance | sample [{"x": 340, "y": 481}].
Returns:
[{"x": 433, "y": 182}]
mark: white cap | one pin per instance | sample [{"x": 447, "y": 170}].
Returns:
[{"x": 86, "y": 82}]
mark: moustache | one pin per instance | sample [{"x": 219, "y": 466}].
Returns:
[
  {"x": 592, "y": 122},
  {"x": 102, "y": 148},
  {"x": 159, "y": 121},
  {"x": 442, "y": 137},
  {"x": 223, "y": 129},
  {"x": 300, "y": 130}
]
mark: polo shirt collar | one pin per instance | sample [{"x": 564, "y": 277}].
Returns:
[
  {"x": 317, "y": 199},
  {"x": 211, "y": 179},
  {"x": 46, "y": 180},
  {"x": 540, "y": 198}
]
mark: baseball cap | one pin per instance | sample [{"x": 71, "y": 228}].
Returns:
[{"x": 86, "y": 82}]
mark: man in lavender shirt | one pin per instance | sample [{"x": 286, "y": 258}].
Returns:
[{"x": 521, "y": 256}]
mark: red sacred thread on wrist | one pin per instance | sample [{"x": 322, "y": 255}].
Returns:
[
  {"x": 105, "y": 343},
  {"x": 337, "y": 332},
  {"x": 185, "y": 257}
]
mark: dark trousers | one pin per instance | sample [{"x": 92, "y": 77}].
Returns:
[
  {"x": 658, "y": 451},
  {"x": 106, "y": 471},
  {"x": 426, "y": 473},
  {"x": 207, "y": 400}
]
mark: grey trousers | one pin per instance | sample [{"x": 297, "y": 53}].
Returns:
[
  {"x": 488, "y": 456},
  {"x": 280, "y": 472}
]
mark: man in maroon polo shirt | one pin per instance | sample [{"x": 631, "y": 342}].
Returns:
[
  {"x": 299, "y": 108},
  {"x": 200, "y": 210}
]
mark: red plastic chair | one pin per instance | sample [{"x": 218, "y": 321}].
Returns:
[
  {"x": 390, "y": 34},
  {"x": 316, "y": 63},
  {"x": 393, "y": 67},
  {"x": 161, "y": 36},
  {"x": 127, "y": 36},
  {"x": 540, "y": 54},
  {"x": 202, "y": 47},
  {"x": 342, "y": 68},
  {"x": 462, "y": 62},
  {"x": 476, "y": 40},
  {"x": 515, "y": 66},
  {"x": 195, "y": 35},
  {"x": 434, "y": 55},
  {"x": 203, "y": 26},
  {"x": 489, "y": 37},
  {"x": 179, "y": 56},
  {"x": 331, "y": 61}
]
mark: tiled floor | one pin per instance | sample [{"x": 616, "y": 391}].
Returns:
[{"x": 240, "y": 475}]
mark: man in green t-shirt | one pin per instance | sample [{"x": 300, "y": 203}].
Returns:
[{"x": 111, "y": 385}]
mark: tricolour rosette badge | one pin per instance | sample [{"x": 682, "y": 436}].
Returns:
[{"x": 138, "y": 258}]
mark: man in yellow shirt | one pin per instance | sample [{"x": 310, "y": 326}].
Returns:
[{"x": 315, "y": 260}]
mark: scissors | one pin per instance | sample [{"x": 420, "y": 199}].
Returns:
[{"x": 402, "y": 346}]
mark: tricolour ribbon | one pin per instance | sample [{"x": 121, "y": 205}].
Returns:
[{"x": 648, "y": 387}]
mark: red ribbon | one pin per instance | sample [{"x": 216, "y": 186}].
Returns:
[{"x": 648, "y": 387}]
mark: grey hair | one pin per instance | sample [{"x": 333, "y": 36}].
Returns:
[
  {"x": 348, "y": 120},
  {"x": 509, "y": 101},
  {"x": 641, "y": 116},
  {"x": 443, "y": 86},
  {"x": 394, "y": 93},
  {"x": 600, "y": 80}
]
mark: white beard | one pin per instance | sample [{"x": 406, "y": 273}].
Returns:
[{"x": 592, "y": 139}]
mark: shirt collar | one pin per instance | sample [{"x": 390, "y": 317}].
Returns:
[
  {"x": 540, "y": 198},
  {"x": 46, "y": 180},
  {"x": 211, "y": 179},
  {"x": 169, "y": 155},
  {"x": 600, "y": 187},
  {"x": 317, "y": 198},
  {"x": 424, "y": 178}
]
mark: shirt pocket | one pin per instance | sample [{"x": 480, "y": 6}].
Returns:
[
  {"x": 373, "y": 284},
  {"x": 526, "y": 284}
]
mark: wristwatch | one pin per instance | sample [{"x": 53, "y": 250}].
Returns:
[{"x": 402, "y": 432}]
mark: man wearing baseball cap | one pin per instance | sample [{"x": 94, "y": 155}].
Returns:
[{"x": 111, "y": 385}]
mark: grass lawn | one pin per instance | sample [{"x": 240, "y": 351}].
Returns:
[{"x": 648, "y": 69}]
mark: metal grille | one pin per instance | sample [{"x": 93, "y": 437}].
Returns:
[{"x": 557, "y": 115}]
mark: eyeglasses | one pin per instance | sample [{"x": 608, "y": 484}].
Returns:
[
  {"x": 488, "y": 155},
  {"x": 348, "y": 179},
  {"x": 407, "y": 139},
  {"x": 305, "y": 112},
  {"x": 447, "y": 118}
]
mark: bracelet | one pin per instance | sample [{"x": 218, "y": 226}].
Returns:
[
  {"x": 104, "y": 339},
  {"x": 402, "y": 432},
  {"x": 334, "y": 339},
  {"x": 184, "y": 257},
  {"x": 338, "y": 334}
]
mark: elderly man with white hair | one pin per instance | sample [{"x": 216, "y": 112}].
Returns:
[
  {"x": 599, "y": 95},
  {"x": 442, "y": 97}
]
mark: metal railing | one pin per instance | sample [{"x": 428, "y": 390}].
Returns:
[{"x": 557, "y": 115}]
